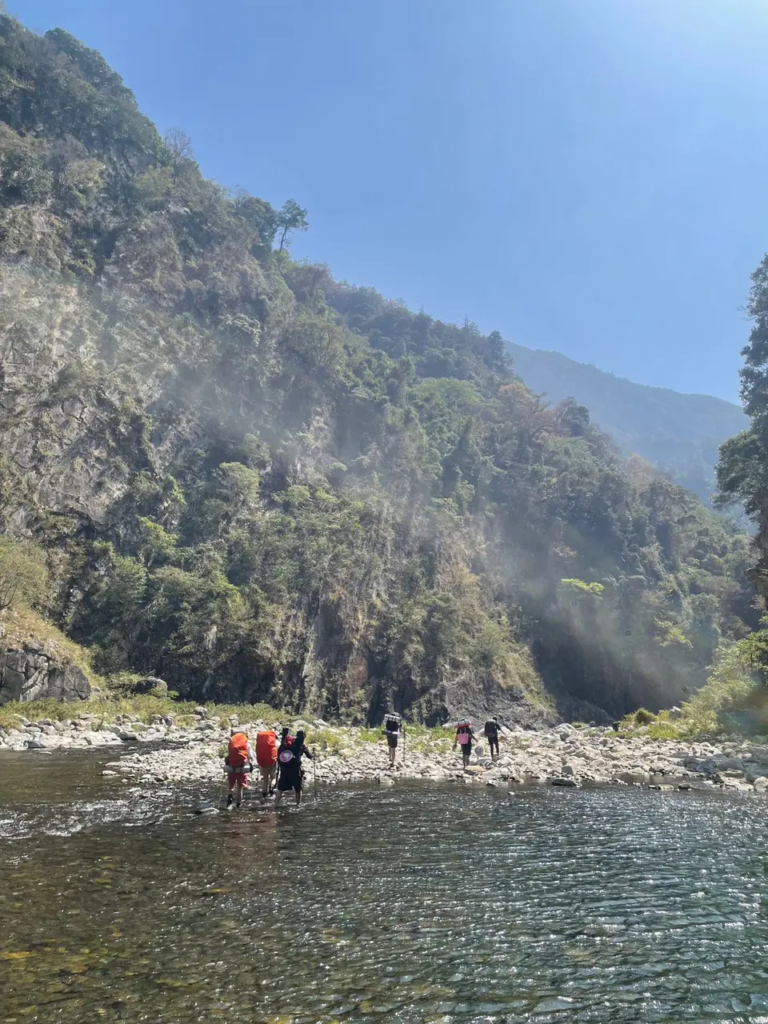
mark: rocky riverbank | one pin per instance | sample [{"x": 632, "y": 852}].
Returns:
[{"x": 191, "y": 753}]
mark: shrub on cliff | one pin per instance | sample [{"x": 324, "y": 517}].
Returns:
[{"x": 23, "y": 575}]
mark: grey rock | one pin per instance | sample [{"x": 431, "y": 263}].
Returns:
[
  {"x": 151, "y": 684},
  {"x": 28, "y": 674},
  {"x": 634, "y": 778},
  {"x": 205, "y": 807},
  {"x": 564, "y": 782}
]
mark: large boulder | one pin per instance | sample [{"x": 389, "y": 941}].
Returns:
[
  {"x": 28, "y": 674},
  {"x": 151, "y": 684}
]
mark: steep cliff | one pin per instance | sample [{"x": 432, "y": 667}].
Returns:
[{"x": 258, "y": 483}]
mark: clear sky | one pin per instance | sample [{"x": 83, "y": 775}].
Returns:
[{"x": 588, "y": 176}]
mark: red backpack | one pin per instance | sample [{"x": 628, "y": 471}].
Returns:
[
  {"x": 266, "y": 749},
  {"x": 238, "y": 751}
]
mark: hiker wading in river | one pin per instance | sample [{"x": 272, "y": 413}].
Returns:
[
  {"x": 266, "y": 756},
  {"x": 238, "y": 763},
  {"x": 289, "y": 756}
]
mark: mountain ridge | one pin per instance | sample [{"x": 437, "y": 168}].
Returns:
[{"x": 679, "y": 433}]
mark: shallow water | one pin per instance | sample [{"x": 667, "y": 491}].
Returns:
[{"x": 413, "y": 904}]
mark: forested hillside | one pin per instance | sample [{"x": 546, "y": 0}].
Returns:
[
  {"x": 259, "y": 483},
  {"x": 680, "y": 434}
]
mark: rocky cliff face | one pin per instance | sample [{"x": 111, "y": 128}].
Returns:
[
  {"x": 30, "y": 674},
  {"x": 260, "y": 484}
]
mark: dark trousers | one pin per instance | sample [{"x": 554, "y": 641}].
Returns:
[{"x": 493, "y": 741}]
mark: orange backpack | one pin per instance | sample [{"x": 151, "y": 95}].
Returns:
[
  {"x": 266, "y": 749},
  {"x": 238, "y": 751}
]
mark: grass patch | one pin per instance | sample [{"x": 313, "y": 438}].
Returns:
[
  {"x": 144, "y": 707},
  {"x": 325, "y": 740}
]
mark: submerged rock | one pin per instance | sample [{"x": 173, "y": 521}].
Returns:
[{"x": 205, "y": 807}]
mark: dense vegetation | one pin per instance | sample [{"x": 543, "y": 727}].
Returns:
[
  {"x": 262, "y": 484},
  {"x": 680, "y": 434},
  {"x": 742, "y": 472}
]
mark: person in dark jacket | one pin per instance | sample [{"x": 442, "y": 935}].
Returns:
[
  {"x": 393, "y": 727},
  {"x": 492, "y": 735},
  {"x": 289, "y": 755}
]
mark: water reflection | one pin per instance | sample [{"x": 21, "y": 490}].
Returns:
[{"x": 413, "y": 904}]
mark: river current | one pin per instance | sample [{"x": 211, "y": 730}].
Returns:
[{"x": 416, "y": 903}]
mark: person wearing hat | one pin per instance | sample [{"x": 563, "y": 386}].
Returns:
[{"x": 289, "y": 756}]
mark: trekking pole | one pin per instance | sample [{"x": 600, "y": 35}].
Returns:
[
  {"x": 403, "y": 743},
  {"x": 314, "y": 776}
]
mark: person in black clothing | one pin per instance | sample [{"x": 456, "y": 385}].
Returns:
[
  {"x": 289, "y": 755},
  {"x": 392, "y": 728},
  {"x": 492, "y": 735}
]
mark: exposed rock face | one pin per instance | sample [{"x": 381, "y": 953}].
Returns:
[{"x": 28, "y": 674}]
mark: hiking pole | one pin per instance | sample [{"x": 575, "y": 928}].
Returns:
[
  {"x": 403, "y": 743},
  {"x": 314, "y": 776}
]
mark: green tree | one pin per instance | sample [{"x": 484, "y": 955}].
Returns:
[
  {"x": 23, "y": 575},
  {"x": 290, "y": 217}
]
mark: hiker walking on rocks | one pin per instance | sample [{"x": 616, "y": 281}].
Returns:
[
  {"x": 492, "y": 735},
  {"x": 464, "y": 736},
  {"x": 289, "y": 756},
  {"x": 393, "y": 726},
  {"x": 238, "y": 763}
]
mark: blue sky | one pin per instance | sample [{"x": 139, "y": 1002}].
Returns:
[{"x": 582, "y": 175}]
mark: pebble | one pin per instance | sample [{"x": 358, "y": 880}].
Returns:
[{"x": 166, "y": 752}]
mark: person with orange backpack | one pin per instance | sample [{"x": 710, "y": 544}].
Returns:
[
  {"x": 238, "y": 763},
  {"x": 266, "y": 758}
]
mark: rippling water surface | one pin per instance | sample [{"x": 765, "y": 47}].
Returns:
[{"x": 410, "y": 904}]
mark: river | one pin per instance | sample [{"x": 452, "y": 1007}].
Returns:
[{"x": 417, "y": 903}]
